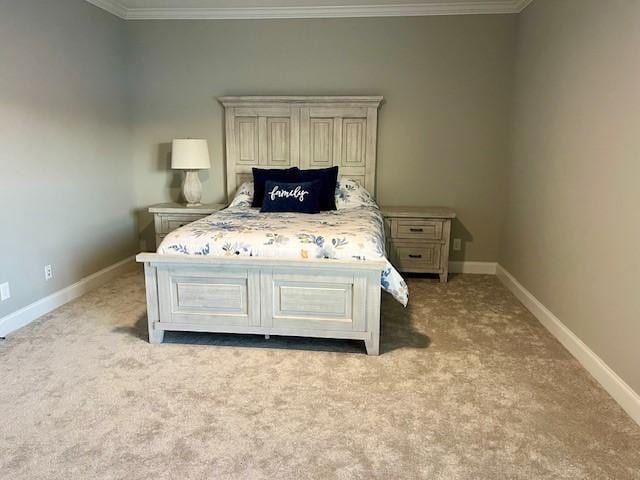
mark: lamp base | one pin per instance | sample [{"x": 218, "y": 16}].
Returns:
[{"x": 192, "y": 189}]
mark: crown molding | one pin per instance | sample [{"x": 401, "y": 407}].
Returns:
[
  {"x": 487, "y": 7},
  {"x": 111, "y": 6},
  {"x": 522, "y": 4}
]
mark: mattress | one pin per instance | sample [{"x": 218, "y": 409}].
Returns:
[{"x": 355, "y": 233}]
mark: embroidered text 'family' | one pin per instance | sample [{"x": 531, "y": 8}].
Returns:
[{"x": 297, "y": 192}]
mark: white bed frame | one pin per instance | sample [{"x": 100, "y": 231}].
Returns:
[{"x": 272, "y": 296}]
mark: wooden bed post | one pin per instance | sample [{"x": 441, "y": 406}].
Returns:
[
  {"x": 372, "y": 342},
  {"x": 153, "y": 312}
]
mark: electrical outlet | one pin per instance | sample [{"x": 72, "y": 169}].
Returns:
[
  {"x": 48, "y": 272},
  {"x": 5, "y": 292},
  {"x": 457, "y": 244}
]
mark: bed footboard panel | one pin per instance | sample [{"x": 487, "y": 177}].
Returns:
[
  {"x": 313, "y": 300},
  {"x": 262, "y": 297},
  {"x": 198, "y": 296}
]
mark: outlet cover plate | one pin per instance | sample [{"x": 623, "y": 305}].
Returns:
[
  {"x": 457, "y": 244},
  {"x": 5, "y": 292},
  {"x": 48, "y": 272}
]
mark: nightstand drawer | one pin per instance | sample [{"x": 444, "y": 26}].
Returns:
[
  {"x": 417, "y": 229},
  {"x": 417, "y": 256},
  {"x": 169, "y": 223}
]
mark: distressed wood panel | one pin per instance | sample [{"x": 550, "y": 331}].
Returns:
[
  {"x": 321, "y": 142},
  {"x": 198, "y": 296},
  {"x": 222, "y": 296},
  {"x": 340, "y": 140},
  {"x": 278, "y": 141},
  {"x": 247, "y": 139},
  {"x": 353, "y": 141},
  {"x": 309, "y": 132},
  {"x": 306, "y": 299},
  {"x": 315, "y": 301}
]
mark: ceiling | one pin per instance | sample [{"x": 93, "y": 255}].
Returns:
[{"x": 229, "y": 9}]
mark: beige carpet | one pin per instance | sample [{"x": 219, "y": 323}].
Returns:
[{"x": 469, "y": 386}]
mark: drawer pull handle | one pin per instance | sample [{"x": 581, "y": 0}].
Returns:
[
  {"x": 414, "y": 256},
  {"x": 417, "y": 230}
]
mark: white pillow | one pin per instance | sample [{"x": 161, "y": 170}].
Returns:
[
  {"x": 243, "y": 196},
  {"x": 350, "y": 194}
]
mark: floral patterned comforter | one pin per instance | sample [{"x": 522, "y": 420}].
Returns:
[{"x": 345, "y": 234}]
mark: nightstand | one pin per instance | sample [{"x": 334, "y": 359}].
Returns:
[
  {"x": 169, "y": 216},
  {"x": 418, "y": 238}
]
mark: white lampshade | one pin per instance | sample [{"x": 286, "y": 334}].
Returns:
[{"x": 190, "y": 154}]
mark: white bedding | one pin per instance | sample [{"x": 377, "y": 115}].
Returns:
[{"x": 354, "y": 231}]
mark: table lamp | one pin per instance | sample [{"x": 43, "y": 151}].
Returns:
[{"x": 190, "y": 154}]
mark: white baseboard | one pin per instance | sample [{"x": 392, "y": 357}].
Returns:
[
  {"x": 28, "y": 314},
  {"x": 622, "y": 393},
  {"x": 485, "y": 268}
]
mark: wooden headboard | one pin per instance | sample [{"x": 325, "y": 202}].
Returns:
[{"x": 307, "y": 132}]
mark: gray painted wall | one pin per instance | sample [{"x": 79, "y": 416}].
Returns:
[
  {"x": 443, "y": 129},
  {"x": 572, "y": 229},
  {"x": 66, "y": 188}
]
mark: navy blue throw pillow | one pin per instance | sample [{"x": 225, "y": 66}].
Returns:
[
  {"x": 329, "y": 178},
  {"x": 299, "y": 197},
  {"x": 261, "y": 175}
]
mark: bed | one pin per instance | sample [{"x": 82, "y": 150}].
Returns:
[{"x": 240, "y": 271}]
